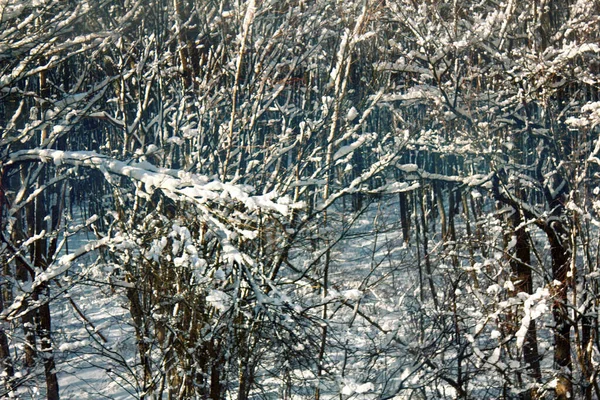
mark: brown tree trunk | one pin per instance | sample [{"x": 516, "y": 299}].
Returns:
[
  {"x": 404, "y": 217},
  {"x": 141, "y": 333},
  {"x": 521, "y": 268},
  {"x": 437, "y": 193},
  {"x": 560, "y": 253},
  {"x": 216, "y": 387},
  {"x": 23, "y": 274},
  {"x": 6, "y": 364},
  {"x": 45, "y": 329},
  {"x": 587, "y": 343},
  {"x": 40, "y": 260}
]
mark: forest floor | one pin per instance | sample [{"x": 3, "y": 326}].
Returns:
[{"x": 375, "y": 292}]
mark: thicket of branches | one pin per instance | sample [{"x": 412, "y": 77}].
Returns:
[{"x": 358, "y": 199}]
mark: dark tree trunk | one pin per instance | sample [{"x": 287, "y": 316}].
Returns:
[
  {"x": 6, "y": 364},
  {"x": 141, "y": 333},
  {"x": 45, "y": 329},
  {"x": 560, "y": 253},
  {"x": 521, "y": 268},
  {"x": 404, "y": 217}
]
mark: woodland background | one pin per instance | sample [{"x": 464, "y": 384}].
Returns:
[{"x": 265, "y": 199}]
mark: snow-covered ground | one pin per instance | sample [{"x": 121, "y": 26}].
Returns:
[
  {"x": 93, "y": 362},
  {"x": 384, "y": 337}
]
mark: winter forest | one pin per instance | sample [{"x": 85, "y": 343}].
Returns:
[{"x": 300, "y": 199}]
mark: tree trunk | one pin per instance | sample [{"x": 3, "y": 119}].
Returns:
[
  {"x": 560, "y": 253},
  {"x": 425, "y": 237},
  {"x": 521, "y": 268},
  {"x": 23, "y": 274},
  {"x": 137, "y": 314},
  {"x": 216, "y": 387},
  {"x": 45, "y": 329},
  {"x": 404, "y": 217},
  {"x": 6, "y": 364}
]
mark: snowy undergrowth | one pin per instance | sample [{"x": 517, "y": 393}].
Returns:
[
  {"x": 394, "y": 330},
  {"x": 402, "y": 322}
]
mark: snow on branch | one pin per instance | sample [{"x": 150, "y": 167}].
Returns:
[
  {"x": 412, "y": 172},
  {"x": 176, "y": 184}
]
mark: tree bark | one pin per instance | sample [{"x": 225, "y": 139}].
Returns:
[
  {"x": 404, "y": 217},
  {"x": 560, "y": 253},
  {"x": 6, "y": 363},
  {"x": 521, "y": 268}
]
